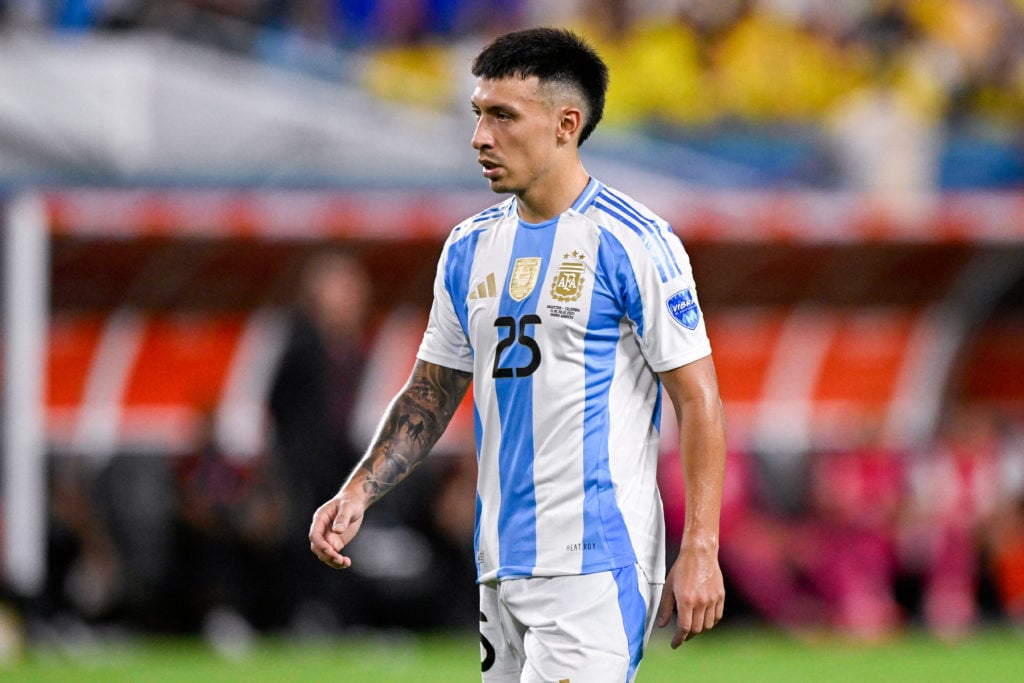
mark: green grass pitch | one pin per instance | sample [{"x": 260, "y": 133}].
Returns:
[{"x": 726, "y": 654}]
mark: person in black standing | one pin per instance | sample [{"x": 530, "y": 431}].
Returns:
[{"x": 311, "y": 403}]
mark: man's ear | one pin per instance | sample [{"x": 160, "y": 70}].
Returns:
[{"x": 569, "y": 125}]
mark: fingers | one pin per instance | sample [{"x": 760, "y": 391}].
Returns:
[
  {"x": 666, "y": 608},
  {"x": 328, "y": 550},
  {"x": 327, "y": 547},
  {"x": 690, "y": 620},
  {"x": 691, "y": 623},
  {"x": 327, "y": 537},
  {"x": 684, "y": 623}
]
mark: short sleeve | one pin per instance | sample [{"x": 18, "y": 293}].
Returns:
[
  {"x": 445, "y": 341},
  {"x": 672, "y": 332}
]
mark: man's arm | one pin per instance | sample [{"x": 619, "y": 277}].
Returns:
[
  {"x": 411, "y": 426},
  {"x": 694, "y": 587}
]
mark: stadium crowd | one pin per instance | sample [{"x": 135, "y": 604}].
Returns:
[
  {"x": 888, "y": 95},
  {"x": 874, "y": 538},
  {"x": 690, "y": 62}
]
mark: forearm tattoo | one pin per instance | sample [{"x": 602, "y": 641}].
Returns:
[{"x": 413, "y": 424}]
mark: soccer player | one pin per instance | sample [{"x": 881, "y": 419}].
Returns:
[{"x": 568, "y": 306}]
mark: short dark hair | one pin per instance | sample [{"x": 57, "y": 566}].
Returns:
[{"x": 552, "y": 55}]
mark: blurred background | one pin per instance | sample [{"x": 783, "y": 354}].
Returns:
[{"x": 221, "y": 220}]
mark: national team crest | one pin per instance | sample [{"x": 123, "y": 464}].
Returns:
[
  {"x": 524, "y": 277},
  {"x": 684, "y": 309},
  {"x": 567, "y": 284}
]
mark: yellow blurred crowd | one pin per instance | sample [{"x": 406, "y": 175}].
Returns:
[{"x": 698, "y": 62}]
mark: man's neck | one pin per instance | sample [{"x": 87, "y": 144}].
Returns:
[{"x": 554, "y": 198}]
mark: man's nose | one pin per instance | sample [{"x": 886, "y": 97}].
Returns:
[{"x": 481, "y": 137}]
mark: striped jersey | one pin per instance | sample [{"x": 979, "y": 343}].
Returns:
[{"x": 564, "y": 325}]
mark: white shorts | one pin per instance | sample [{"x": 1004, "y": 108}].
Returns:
[{"x": 591, "y": 628}]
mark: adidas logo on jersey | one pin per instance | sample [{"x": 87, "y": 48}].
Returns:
[{"x": 485, "y": 289}]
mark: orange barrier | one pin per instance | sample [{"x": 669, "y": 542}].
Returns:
[{"x": 171, "y": 370}]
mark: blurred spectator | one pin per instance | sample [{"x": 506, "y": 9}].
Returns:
[
  {"x": 887, "y": 140},
  {"x": 311, "y": 402},
  {"x": 767, "y": 69},
  {"x": 453, "y": 518},
  {"x": 1005, "y": 543},
  {"x": 225, "y": 24},
  {"x": 86, "y": 572},
  {"x": 1006, "y": 550},
  {"x": 955, "y": 493},
  {"x": 971, "y": 41},
  {"x": 710, "y": 18},
  {"x": 137, "y": 496},
  {"x": 848, "y": 546},
  {"x": 418, "y": 75},
  {"x": 230, "y": 522},
  {"x": 110, "y": 548},
  {"x": 668, "y": 82}
]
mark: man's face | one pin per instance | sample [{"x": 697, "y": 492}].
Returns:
[{"x": 516, "y": 133}]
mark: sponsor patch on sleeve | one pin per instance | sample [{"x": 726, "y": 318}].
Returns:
[{"x": 684, "y": 309}]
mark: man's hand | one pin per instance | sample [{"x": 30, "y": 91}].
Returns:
[
  {"x": 695, "y": 590},
  {"x": 335, "y": 524}
]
